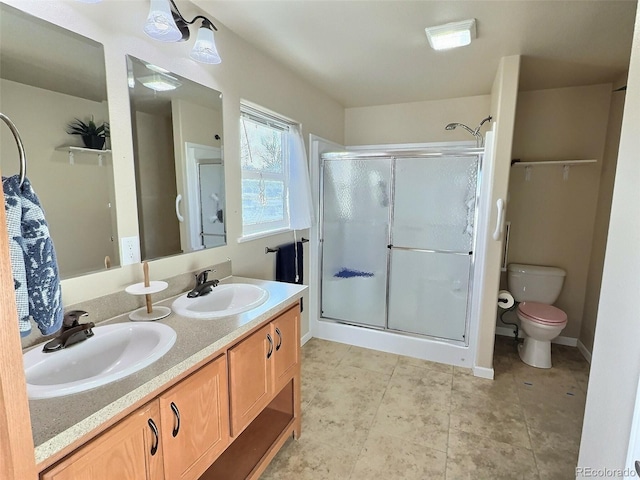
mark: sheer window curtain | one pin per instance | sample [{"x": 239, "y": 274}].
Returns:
[
  {"x": 300, "y": 198},
  {"x": 301, "y": 214}
]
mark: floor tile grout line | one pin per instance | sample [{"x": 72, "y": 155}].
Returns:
[{"x": 373, "y": 421}]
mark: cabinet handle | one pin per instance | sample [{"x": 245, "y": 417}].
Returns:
[
  {"x": 156, "y": 440},
  {"x": 270, "y": 346},
  {"x": 176, "y": 412},
  {"x": 279, "y": 339}
]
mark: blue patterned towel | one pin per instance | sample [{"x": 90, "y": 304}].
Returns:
[
  {"x": 39, "y": 259},
  {"x": 13, "y": 212}
]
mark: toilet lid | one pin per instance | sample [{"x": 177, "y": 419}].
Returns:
[{"x": 541, "y": 313}]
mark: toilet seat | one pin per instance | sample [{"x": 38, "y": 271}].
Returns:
[{"x": 542, "y": 313}]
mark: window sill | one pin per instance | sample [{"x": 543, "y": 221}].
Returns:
[{"x": 257, "y": 236}]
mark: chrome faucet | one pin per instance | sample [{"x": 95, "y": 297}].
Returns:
[
  {"x": 72, "y": 332},
  {"x": 203, "y": 286}
]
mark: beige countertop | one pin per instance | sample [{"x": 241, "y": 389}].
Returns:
[{"x": 59, "y": 422}]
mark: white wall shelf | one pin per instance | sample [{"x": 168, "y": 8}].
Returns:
[
  {"x": 71, "y": 150},
  {"x": 566, "y": 165}
]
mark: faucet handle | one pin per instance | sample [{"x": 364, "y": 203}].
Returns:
[
  {"x": 203, "y": 276},
  {"x": 72, "y": 318}
]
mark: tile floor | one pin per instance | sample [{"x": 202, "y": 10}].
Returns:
[{"x": 369, "y": 414}]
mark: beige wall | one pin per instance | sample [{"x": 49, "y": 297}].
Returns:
[
  {"x": 416, "y": 122},
  {"x": 601, "y": 226},
  {"x": 504, "y": 97},
  {"x": 244, "y": 73},
  {"x": 552, "y": 220},
  {"x": 156, "y": 185},
  {"x": 75, "y": 197},
  {"x": 615, "y": 366}
]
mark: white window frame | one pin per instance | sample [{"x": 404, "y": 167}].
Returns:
[{"x": 259, "y": 115}]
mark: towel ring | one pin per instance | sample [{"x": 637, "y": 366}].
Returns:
[{"x": 16, "y": 135}]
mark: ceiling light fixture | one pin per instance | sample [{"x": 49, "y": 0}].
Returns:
[
  {"x": 159, "y": 82},
  {"x": 451, "y": 35},
  {"x": 166, "y": 23}
]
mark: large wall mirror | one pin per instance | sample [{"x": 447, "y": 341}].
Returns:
[
  {"x": 177, "y": 140},
  {"x": 50, "y": 76}
]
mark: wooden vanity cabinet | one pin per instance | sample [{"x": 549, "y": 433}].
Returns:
[
  {"x": 131, "y": 449},
  {"x": 194, "y": 416},
  {"x": 225, "y": 421},
  {"x": 260, "y": 365}
]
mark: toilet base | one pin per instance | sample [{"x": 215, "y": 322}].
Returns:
[{"x": 536, "y": 353}]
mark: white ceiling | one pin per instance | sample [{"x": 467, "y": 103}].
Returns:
[{"x": 371, "y": 52}]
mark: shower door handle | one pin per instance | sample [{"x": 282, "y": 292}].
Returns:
[
  {"x": 497, "y": 234},
  {"x": 178, "y": 200}
]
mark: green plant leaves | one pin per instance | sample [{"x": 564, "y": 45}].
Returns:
[{"x": 79, "y": 127}]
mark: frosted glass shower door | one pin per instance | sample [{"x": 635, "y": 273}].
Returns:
[
  {"x": 355, "y": 235},
  {"x": 432, "y": 242},
  {"x": 435, "y": 203},
  {"x": 428, "y": 293}
]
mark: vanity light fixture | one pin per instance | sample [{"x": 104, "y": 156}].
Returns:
[
  {"x": 166, "y": 23},
  {"x": 451, "y": 35}
]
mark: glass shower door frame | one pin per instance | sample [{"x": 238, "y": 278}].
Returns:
[
  {"x": 393, "y": 156},
  {"x": 322, "y": 232}
]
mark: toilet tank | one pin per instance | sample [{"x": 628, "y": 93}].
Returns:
[{"x": 535, "y": 283}]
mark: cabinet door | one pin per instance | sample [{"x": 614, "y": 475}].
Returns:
[
  {"x": 195, "y": 421},
  {"x": 287, "y": 339},
  {"x": 250, "y": 385},
  {"x": 130, "y": 449}
]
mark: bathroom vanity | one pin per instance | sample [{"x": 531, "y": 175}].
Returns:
[{"x": 219, "y": 405}]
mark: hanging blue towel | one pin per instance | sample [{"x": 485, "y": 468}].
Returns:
[
  {"x": 287, "y": 268},
  {"x": 13, "y": 212},
  {"x": 39, "y": 259}
]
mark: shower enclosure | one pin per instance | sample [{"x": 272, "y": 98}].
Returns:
[{"x": 397, "y": 240}]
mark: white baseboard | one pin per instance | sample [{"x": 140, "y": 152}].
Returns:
[
  {"x": 583, "y": 350},
  {"x": 568, "y": 341},
  {"x": 483, "y": 372},
  {"x": 305, "y": 338}
]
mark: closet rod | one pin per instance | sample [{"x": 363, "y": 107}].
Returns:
[
  {"x": 18, "y": 139},
  {"x": 274, "y": 250}
]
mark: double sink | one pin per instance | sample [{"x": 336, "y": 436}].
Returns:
[{"x": 122, "y": 349}]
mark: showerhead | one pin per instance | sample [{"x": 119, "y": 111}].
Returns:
[
  {"x": 452, "y": 126},
  {"x": 476, "y": 133}
]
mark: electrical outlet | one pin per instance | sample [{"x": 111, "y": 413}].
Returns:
[{"x": 129, "y": 250}]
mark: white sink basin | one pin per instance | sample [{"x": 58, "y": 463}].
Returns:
[
  {"x": 223, "y": 301},
  {"x": 113, "y": 352}
]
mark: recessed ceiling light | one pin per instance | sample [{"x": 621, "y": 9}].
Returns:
[{"x": 451, "y": 35}]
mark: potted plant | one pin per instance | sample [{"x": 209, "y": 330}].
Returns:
[{"x": 93, "y": 135}]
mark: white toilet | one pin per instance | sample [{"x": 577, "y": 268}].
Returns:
[{"x": 536, "y": 287}]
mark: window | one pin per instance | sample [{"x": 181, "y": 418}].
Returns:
[{"x": 271, "y": 152}]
